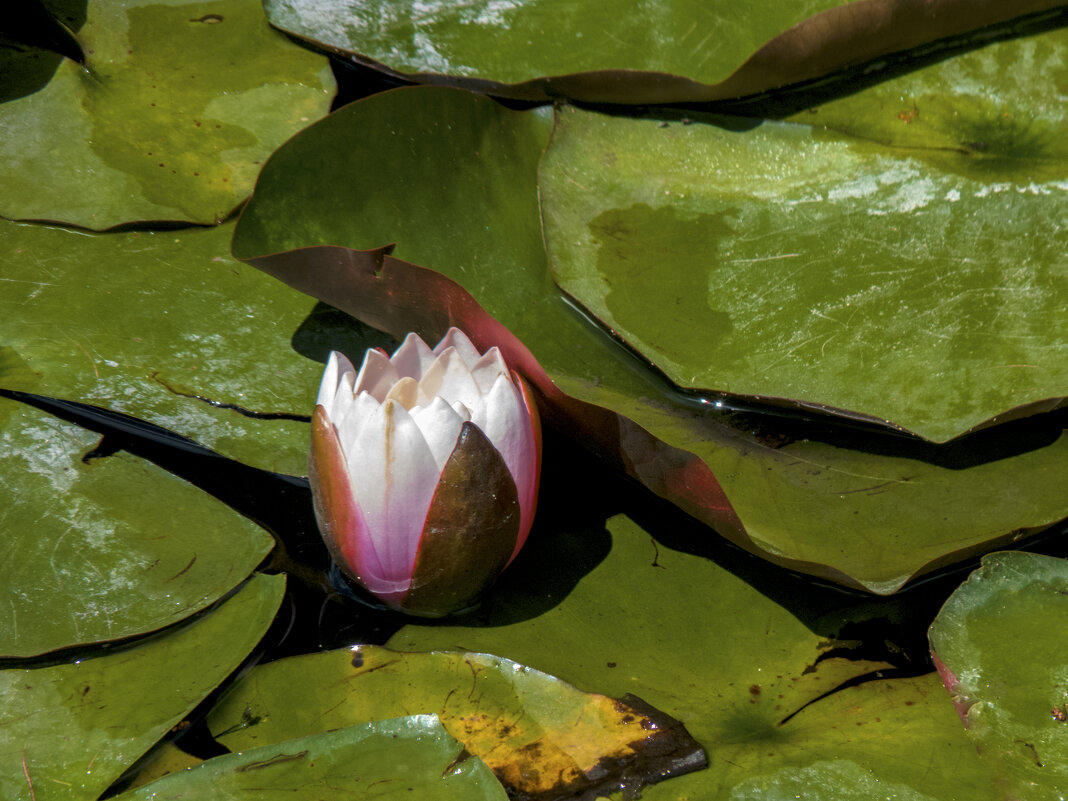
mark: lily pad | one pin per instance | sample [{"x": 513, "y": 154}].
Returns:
[
  {"x": 783, "y": 263},
  {"x": 660, "y": 53},
  {"x": 410, "y": 757},
  {"x": 175, "y": 109},
  {"x": 998, "y": 639},
  {"x": 203, "y": 346},
  {"x": 105, "y": 548},
  {"x": 751, "y": 678},
  {"x": 857, "y": 511},
  {"x": 70, "y": 730},
  {"x": 540, "y": 736},
  {"x": 995, "y": 115}
]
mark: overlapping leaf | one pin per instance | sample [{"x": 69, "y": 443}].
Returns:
[
  {"x": 175, "y": 109},
  {"x": 871, "y": 517},
  {"x": 104, "y": 549},
  {"x": 747, "y": 675},
  {"x": 541, "y": 737},
  {"x": 165, "y": 326},
  {"x": 674, "y": 51},
  {"x": 69, "y": 731},
  {"x": 999, "y": 641},
  {"x": 410, "y": 757},
  {"x": 786, "y": 264}
]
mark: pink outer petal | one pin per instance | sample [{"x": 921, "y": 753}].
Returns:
[
  {"x": 395, "y": 476},
  {"x": 341, "y": 520},
  {"x": 528, "y": 486}
]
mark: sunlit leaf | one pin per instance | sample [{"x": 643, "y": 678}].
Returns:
[
  {"x": 167, "y": 327},
  {"x": 175, "y": 109},
  {"x": 70, "y": 730},
  {"x": 999, "y": 641},
  {"x": 107, "y": 548},
  {"x": 784, "y": 263},
  {"x": 410, "y": 757},
  {"x": 862, "y": 511},
  {"x": 745, "y": 668},
  {"x": 541, "y": 737},
  {"x": 670, "y": 51}
]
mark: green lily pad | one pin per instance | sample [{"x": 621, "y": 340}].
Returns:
[
  {"x": 784, "y": 263},
  {"x": 996, "y": 115},
  {"x": 175, "y": 109},
  {"x": 164, "y": 326},
  {"x": 70, "y": 730},
  {"x": 540, "y": 736},
  {"x": 747, "y": 675},
  {"x": 666, "y": 52},
  {"x": 410, "y": 757},
  {"x": 108, "y": 548},
  {"x": 998, "y": 638},
  {"x": 860, "y": 517}
]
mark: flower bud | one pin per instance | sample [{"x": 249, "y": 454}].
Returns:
[{"x": 424, "y": 470}]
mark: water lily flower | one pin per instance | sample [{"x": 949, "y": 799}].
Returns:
[{"x": 424, "y": 470}]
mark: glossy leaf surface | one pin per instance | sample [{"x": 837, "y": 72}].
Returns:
[
  {"x": 784, "y": 262},
  {"x": 870, "y": 518},
  {"x": 108, "y": 548},
  {"x": 540, "y": 736},
  {"x": 744, "y": 672},
  {"x": 175, "y": 109},
  {"x": 673, "y": 51},
  {"x": 165, "y": 326},
  {"x": 999, "y": 639},
  {"x": 71, "y": 730},
  {"x": 410, "y": 757}
]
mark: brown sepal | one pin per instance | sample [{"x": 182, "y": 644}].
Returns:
[{"x": 471, "y": 528}]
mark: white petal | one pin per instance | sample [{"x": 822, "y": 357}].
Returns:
[
  {"x": 336, "y": 365},
  {"x": 405, "y": 392},
  {"x": 362, "y": 409},
  {"x": 486, "y": 369},
  {"x": 455, "y": 338},
  {"x": 463, "y": 411},
  {"x": 507, "y": 425},
  {"x": 394, "y": 476},
  {"x": 413, "y": 357},
  {"x": 440, "y": 424},
  {"x": 449, "y": 377},
  {"x": 377, "y": 375},
  {"x": 342, "y": 401}
]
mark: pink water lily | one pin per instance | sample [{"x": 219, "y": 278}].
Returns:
[{"x": 424, "y": 470}]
